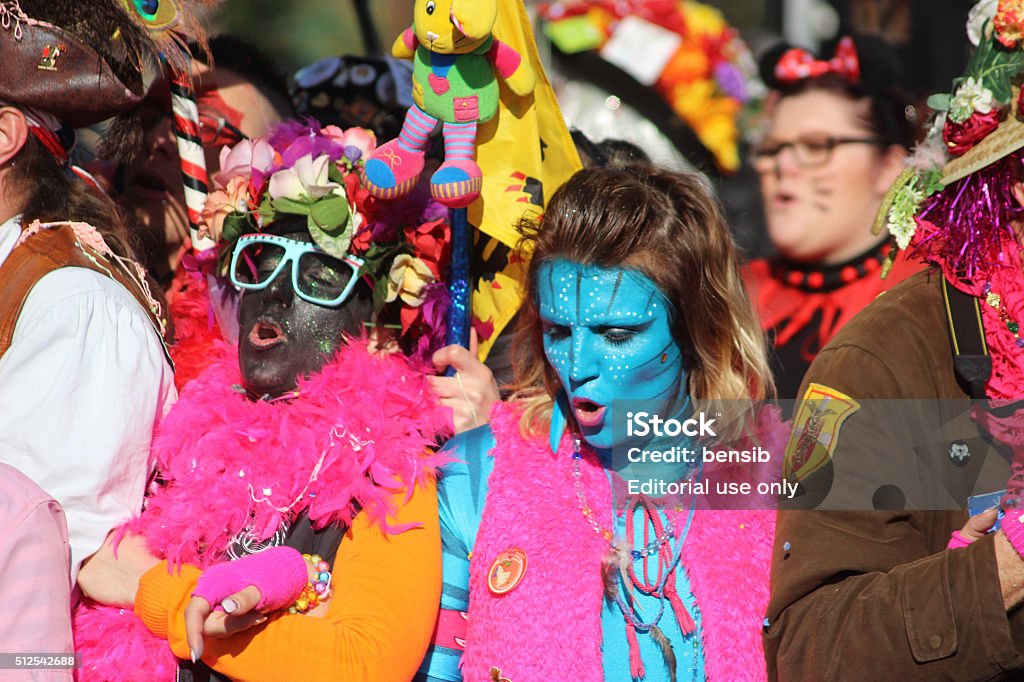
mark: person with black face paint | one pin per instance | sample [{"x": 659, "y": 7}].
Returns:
[
  {"x": 283, "y": 334},
  {"x": 316, "y": 435}
]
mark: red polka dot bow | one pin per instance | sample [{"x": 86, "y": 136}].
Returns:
[{"x": 797, "y": 64}]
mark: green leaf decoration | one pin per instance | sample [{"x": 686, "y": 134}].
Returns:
[
  {"x": 235, "y": 225},
  {"x": 994, "y": 66},
  {"x": 266, "y": 210},
  {"x": 906, "y": 177},
  {"x": 334, "y": 174},
  {"x": 331, "y": 212},
  {"x": 377, "y": 266},
  {"x": 331, "y": 225},
  {"x": 939, "y": 102},
  {"x": 293, "y": 206},
  {"x": 932, "y": 182},
  {"x": 380, "y": 292},
  {"x": 224, "y": 259}
]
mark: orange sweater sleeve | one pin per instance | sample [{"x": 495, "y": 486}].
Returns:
[{"x": 386, "y": 591}]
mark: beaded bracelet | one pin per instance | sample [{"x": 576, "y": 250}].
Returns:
[{"x": 318, "y": 589}]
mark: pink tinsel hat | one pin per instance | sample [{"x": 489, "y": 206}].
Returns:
[{"x": 969, "y": 153}]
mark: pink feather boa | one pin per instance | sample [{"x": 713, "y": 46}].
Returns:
[
  {"x": 370, "y": 419},
  {"x": 727, "y": 556}
]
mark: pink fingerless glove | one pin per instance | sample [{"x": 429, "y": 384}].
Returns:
[
  {"x": 279, "y": 573},
  {"x": 1013, "y": 528},
  {"x": 957, "y": 541}
]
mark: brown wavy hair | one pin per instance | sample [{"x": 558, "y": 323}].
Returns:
[{"x": 669, "y": 227}]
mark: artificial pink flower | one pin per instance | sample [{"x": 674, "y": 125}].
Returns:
[
  {"x": 246, "y": 158},
  {"x": 221, "y": 203},
  {"x": 362, "y": 139}
]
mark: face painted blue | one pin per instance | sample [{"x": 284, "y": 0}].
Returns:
[{"x": 608, "y": 336}]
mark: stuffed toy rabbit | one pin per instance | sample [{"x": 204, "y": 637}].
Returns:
[{"x": 456, "y": 64}]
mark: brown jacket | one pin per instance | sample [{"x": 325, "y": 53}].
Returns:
[{"x": 870, "y": 595}]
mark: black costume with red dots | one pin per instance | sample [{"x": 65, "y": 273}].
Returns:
[{"x": 802, "y": 306}]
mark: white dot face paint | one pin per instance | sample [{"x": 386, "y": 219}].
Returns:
[{"x": 608, "y": 336}]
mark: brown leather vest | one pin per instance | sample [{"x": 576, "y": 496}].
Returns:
[{"x": 44, "y": 252}]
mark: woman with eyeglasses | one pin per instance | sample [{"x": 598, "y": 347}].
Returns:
[
  {"x": 835, "y": 138},
  {"x": 315, "y": 437}
]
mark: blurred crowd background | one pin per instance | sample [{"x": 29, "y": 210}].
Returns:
[{"x": 928, "y": 35}]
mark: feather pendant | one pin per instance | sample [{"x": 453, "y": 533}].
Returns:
[
  {"x": 614, "y": 567},
  {"x": 668, "y": 654}
]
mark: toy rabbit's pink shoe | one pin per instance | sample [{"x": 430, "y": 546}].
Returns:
[
  {"x": 392, "y": 170},
  {"x": 456, "y": 183}
]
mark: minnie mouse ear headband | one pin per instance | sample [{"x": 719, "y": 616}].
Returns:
[
  {"x": 83, "y": 61},
  {"x": 864, "y": 62},
  {"x": 301, "y": 169}
]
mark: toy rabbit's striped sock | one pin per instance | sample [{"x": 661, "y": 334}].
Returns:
[
  {"x": 417, "y": 128},
  {"x": 458, "y": 181},
  {"x": 459, "y": 141}
]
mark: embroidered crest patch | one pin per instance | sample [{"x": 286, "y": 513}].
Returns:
[{"x": 819, "y": 416}]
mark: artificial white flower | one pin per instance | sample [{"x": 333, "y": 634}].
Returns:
[
  {"x": 903, "y": 228},
  {"x": 970, "y": 97},
  {"x": 984, "y": 11},
  {"x": 307, "y": 179}
]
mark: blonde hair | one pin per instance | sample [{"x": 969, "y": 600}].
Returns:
[{"x": 669, "y": 227}]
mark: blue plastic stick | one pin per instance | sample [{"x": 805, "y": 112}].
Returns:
[{"x": 460, "y": 281}]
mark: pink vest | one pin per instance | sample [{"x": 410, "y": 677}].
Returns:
[{"x": 531, "y": 504}]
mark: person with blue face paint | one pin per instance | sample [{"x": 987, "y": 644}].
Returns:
[
  {"x": 608, "y": 337},
  {"x": 633, "y": 302}
]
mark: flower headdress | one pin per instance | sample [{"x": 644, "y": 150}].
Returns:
[
  {"x": 954, "y": 205},
  {"x": 704, "y": 70},
  {"x": 305, "y": 170}
]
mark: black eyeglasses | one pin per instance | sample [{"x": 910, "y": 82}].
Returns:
[{"x": 810, "y": 152}]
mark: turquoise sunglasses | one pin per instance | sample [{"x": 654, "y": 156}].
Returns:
[{"x": 317, "y": 276}]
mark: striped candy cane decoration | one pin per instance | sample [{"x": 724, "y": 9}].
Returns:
[{"x": 190, "y": 151}]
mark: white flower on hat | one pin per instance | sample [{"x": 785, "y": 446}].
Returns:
[
  {"x": 970, "y": 97},
  {"x": 984, "y": 11},
  {"x": 307, "y": 179}
]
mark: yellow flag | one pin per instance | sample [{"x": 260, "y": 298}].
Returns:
[{"x": 525, "y": 153}]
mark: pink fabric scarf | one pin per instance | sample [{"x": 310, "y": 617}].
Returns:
[{"x": 531, "y": 504}]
